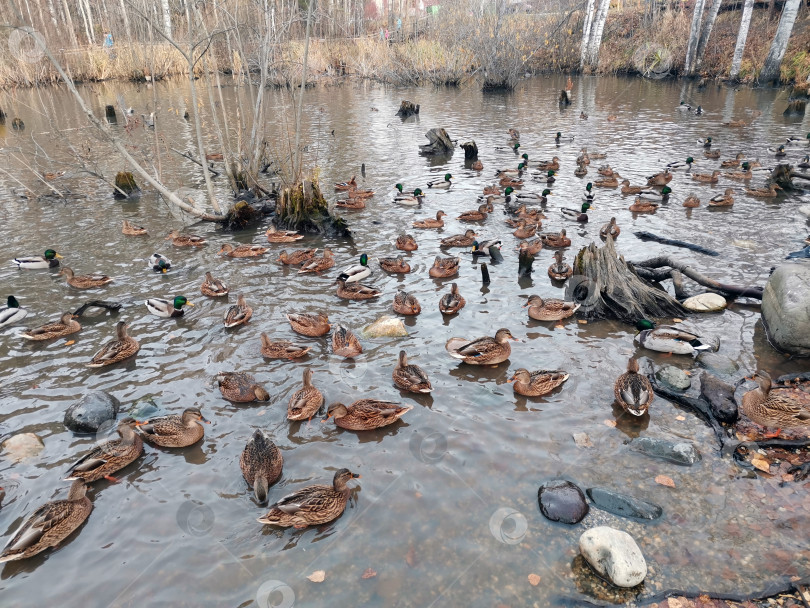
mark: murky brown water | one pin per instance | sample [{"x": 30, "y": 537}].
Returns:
[{"x": 446, "y": 513}]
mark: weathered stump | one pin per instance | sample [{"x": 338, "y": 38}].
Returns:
[
  {"x": 565, "y": 97},
  {"x": 125, "y": 185},
  {"x": 795, "y": 107},
  {"x": 470, "y": 150},
  {"x": 783, "y": 174},
  {"x": 109, "y": 112},
  {"x": 2, "y": 117},
  {"x": 302, "y": 207},
  {"x": 525, "y": 261},
  {"x": 440, "y": 143},
  {"x": 407, "y": 108}
]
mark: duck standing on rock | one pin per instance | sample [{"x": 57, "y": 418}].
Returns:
[
  {"x": 775, "y": 409},
  {"x": 633, "y": 390},
  {"x": 672, "y": 340}
]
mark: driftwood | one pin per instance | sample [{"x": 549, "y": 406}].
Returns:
[
  {"x": 440, "y": 143},
  {"x": 470, "y": 150},
  {"x": 112, "y": 306},
  {"x": 688, "y": 271},
  {"x": 649, "y": 236},
  {"x": 407, "y": 108}
]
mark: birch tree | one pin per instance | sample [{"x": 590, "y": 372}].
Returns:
[
  {"x": 739, "y": 49},
  {"x": 694, "y": 38},
  {"x": 773, "y": 62},
  {"x": 706, "y": 32},
  {"x": 597, "y": 27},
  {"x": 167, "y": 17},
  {"x": 586, "y": 33}
]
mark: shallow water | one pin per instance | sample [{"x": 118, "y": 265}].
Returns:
[{"x": 446, "y": 511}]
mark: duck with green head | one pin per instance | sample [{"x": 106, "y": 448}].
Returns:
[
  {"x": 578, "y": 215},
  {"x": 12, "y": 312},
  {"x": 550, "y": 179},
  {"x": 589, "y": 194},
  {"x": 672, "y": 340},
  {"x": 655, "y": 195},
  {"x": 358, "y": 272},
  {"x": 167, "y": 308},
  {"x": 511, "y": 172},
  {"x": 707, "y": 143},
  {"x": 160, "y": 263},
  {"x": 686, "y": 164},
  {"x": 441, "y": 184},
  {"x": 411, "y": 200},
  {"x": 37, "y": 262},
  {"x": 525, "y": 197}
]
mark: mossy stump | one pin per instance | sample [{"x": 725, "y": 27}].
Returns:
[
  {"x": 302, "y": 207},
  {"x": 241, "y": 215},
  {"x": 125, "y": 185},
  {"x": 407, "y": 108}
]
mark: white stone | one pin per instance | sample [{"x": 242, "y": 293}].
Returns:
[
  {"x": 786, "y": 308},
  {"x": 22, "y": 446},
  {"x": 705, "y": 302},
  {"x": 614, "y": 555},
  {"x": 385, "y": 327}
]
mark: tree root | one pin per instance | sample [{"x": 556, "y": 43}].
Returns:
[
  {"x": 648, "y": 236},
  {"x": 697, "y": 277}
]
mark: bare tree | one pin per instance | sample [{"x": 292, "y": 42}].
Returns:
[
  {"x": 694, "y": 38},
  {"x": 706, "y": 32},
  {"x": 739, "y": 49},
  {"x": 595, "y": 38},
  {"x": 773, "y": 62},
  {"x": 586, "y": 33}
]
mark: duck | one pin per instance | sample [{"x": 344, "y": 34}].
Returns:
[
  {"x": 581, "y": 171},
  {"x": 577, "y": 215},
  {"x": 642, "y": 206},
  {"x": 511, "y": 182},
  {"x": 584, "y": 158},
  {"x": 306, "y": 401},
  {"x": 325, "y": 262},
  {"x": 482, "y": 351},
  {"x": 238, "y": 314},
  {"x": 550, "y": 179},
  {"x": 712, "y": 154},
  {"x": 261, "y": 463},
  {"x": 707, "y": 142},
  {"x": 167, "y": 308},
  {"x": 670, "y": 339},
  {"x": 769, "y": 192},
  {"x": 657, "y": 195},
  {"x": 430, "y": 222},
  {"x": 773, "y": 409},
  {"x": 213, "y": 288},
  {"x": 174, "y": 430},
  {"x": 608, "y": 182},
  {"x": 49, "y": 524},
  {"x": 691, "y": 202},
  {"x": 509, "y": 173},
  {"x": 274, "y": 235},
  {"x": 723, "y": 200},
  {"x": 684, "y": 106},
  {"x": 508, "y": 192},
  {"x": 344, "y": 343},
  {"x": 475, "y": 216},
  {"x": 477, "y": 165},
  {"x": 354, "y": 291},
  {"x": 611, "y": 228},
  {"x": 460, "y": 240},
  {"x": 313, "y": 325},
  {"x": 559, "y": 270},
  {"x": 406, "y": 242},
  {"x": 443, "y": 184},
  {"x": 444, "y": 267},
  {"x": 348, "y": 185},
  {"x": 451, "y": 303},
  {"x": 351, "y": 203},
  {"x": 49, "y": 260},
  {"x": 628, "y": 189},
  {"x": 185, "y": 240},
  {"x": 731, "y": 164},
  {"x": 492, "y": 189},
  {"x": 160, "y": 263},
  {"x": 555, "y": 240},
  {"x": 553, "y": 164},
  {"x": 558, "y": 138},
  {"x": 215, "y": 157},
  {"x": 532, "y": 247},
  {"x": 132, "y": 229},
  {"x": 745, "y": 174},
  {"x": 358, "y": 272},
  {"x": 805, "y": 162},
  {"x": 410, "y": 377},
  {"x": 523, "y": 231},
  {"x": 312, "y": 505},
  {"x": 12, "y": 312},
  {"x": 395, "y": 265},
  {"x": 484, "y": 247},
  {"x": 410, "y": 199},
  {"x": 607, "y": 171},
  {"x": 242, "y": 251},
  {"x": 589, "y": 195},
  {"x": 662, "y": 178},
  {"x": 366, "y": 414},
  {"x": 406, "y": 303},
  {"x": 550, "y": 309},
  {"x": 282, "y": 349},
  {"x": 707, "y": 178},
  {"x": 66, "y": 325},
  {"x": 241, "y": 387},
  {"x": 633, "y": 390},
  {"x": 537, "y": 383},
  {"x": 514, "y": 134},
  {"x": 698, "y": 112},
  {"x": 123, "y": 347},
  {"x": 735, "y": 123},
  {"x": 297, "y": 256},
  {"x": 778, "y": 152},
  {"x": 108, "y": 456}
]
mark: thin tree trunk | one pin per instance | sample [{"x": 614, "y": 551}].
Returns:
[
  {"x": 739, "y": 49},
  {"x": 86, "y": 23},
  {"x": 586, "y": 33},
  {"x": 126, "y": 20},
  {"x": 296, "y": 150},
  {"x": 694, "y": 36},
  {"x": 52, "y": 11},
  {"x": 708, "y": 25},
  {"x": 89, "y": 11},
  {"x": 598, "y": 26},
  {"x": 773, "y": 62},
  {"x": 70, "y": 28},
  {"x": 167, "y": 17}
]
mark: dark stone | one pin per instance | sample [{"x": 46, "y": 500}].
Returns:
[
  {"x": 720, "y": 397},
  {"x": 622, "y": 505},
  {"x": 562, "y": 501},
  {"x": 91, "y": 411},
  {"x": 679, "y": 452}
]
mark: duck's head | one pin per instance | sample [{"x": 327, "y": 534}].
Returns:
[
  {"x": 516, "y": 146},
  {"x": 546, "y": 192},
  {"x": 550, "y": 173},
  {"x": 12, "y": 302},
  {"x": 343, "y": 476},
  {"x": 399, "y": 187},
  {"x": 689, "y": 160},
  {"x": 524, "y": 156},
  {"x": 746, "y": 166},
  {"x": 418, "y": 192},
  {"x": 708, "y": 139},
  {"x": 193, "y": 414},
  {"x": 509, "y": 190},
  {"x": 585, "y": 206},
  {"x": 161, "y": 266},
  {"x": 447, "y": 177},
  {"x": 522, "y": 375},
  {"x": 643, "y": 324},
  {"x": 503, "y": 335},
  {"x": 666, "y": 190},
  {"x": 534, "y": 300},
  {"x": 50, "y": 254},
  {"x": 364, "y": 260},
  {"x": 588, "y": 187},
  {"x": 181, "y": 301},
  {"x": 521, "y": 166},
  {"x": 559, "y": 135},
  {"x": 475, "y": 246}
]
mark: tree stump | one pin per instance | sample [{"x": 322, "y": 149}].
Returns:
[
  {"x": 109, "y": 112},
  {"x": 407, "y": 108},
  {"x": 565, "y": 97},
  {"x": 17, "y": 124},
  {"x": 795, "y": 107},
  {"x": 470, "y": 150},
  {"x": 302, "y": 207},
  {"x": 125, "y": 185},
  {"x": 440, "y": 143},
  {"x": 2, "y": 117},
  {"x": 525, "y": 261},
  {"x": 608, "y": 288}
]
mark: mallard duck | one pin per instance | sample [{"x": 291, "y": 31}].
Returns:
[
  {"x": 642, "y": 206},
  {"x": 410, "y": 200},
  {"x": 313, "y": 505},
  {"x": 242, "y": 251},
  {"x": 459, "y": 240},
  {"x": 583, "y": 116},
  {"x": 612, "y": 117},
  {"x": 215, "y": 157},
  {"x": 553, "y": 164},
  {"x": 707, "y": 143},
  {"x": 309, "y": 324},
  {"x": 584, "y": 158},
  {"x": 512, "y": 172},
  {"x": 533, "y": 197},
  {"x": 167, "y": 308},
  {"x": 577, "y": 215},
  {"x": 532, "y": 216},
  {"x": 558, "y": 139},
  {"x": 325, "y": 262},
  {"x": 484, "y": 247},
  {"x": 514, "y": 134},
  {"x": 555, "y": 240},
  {"x": 508, "y": 192},
  {"x": 274, "y": 235},
  {"x": 550, "y": 309},
  {"x": 261, "y": 463},
  {"x": 451, "y": 303},
  {"x": 773, "y": 409},
  {"x": 132, "y": 229},
  {"x": 679, "y": 164},
  {"x": 174, "y": 430},
  {"x": 12, "y": 312},
  {"x": 395, "y": 265},
  {"x": 805, "y": 162},
  {"x": 354, "y": 291},
  {"x": 535, "y": 384},
  {"x": 723, "y": 200},
  {"x": 684, "y": 106},
  {"x": 691, "y": 202},
  {"x": 559, "y": 270},
  {"x": 410, "y": 377},
  {"x": 730, "y": 164},
  {"x": 351, "y": 203},
  {"x": 358, "y": 272},
  {"x": 185, "y": 240},
  {"x": 611, "y": 228},
  {"x": 745, "y": 174},
  {"x": 49, "y": 525},
  {"x": 213, "y": 288},
  {"x": 430, "y": 222},
  {"x": 37, "y": 262},
  {"x": 660, "y": 179},
  {"x": 589, "y": 195},
  {"x": 306, "y": 401},
  {"x": 366, "y": 414},
  {"x": 712, "y": 154},
  {"x": 241, "y": 387},
  {"x": 349, "y": 185},
  {"x": 123, "y": 347},
  {"x": 405, "y": 242},
  {"x": 344, "y": 343},
  {"x": 608, "y": 182},
  {"x": 510, "y": 182},
  {"x": 532, "y": 247},
  {"x": 160, "y": 263},
  {"x": 361, "y": 193},
  {"x": 444, "y": 267},
  {"x": 282, "y": 349},
  {"x": 297, "y": 256},
  {"x": 628, "y": 189},
  {"x": 670, "y": 339},
  {"x": 406, "y": 303},
  {"x": 607, "y": 171},
  {"x": 108, "y": 456},
  {"x": 443, "y": 184},
  {"x": 238, "y": 314},
  {"x": 707, "y": 178},
  {"x": 768, "y": 192},
  {"x": 633, "y": 390},
  {"x": 475, "y": 216},
  {"x": 549, "y": 177},
  {"x": 482, "y": 351},
  {"x": 523, "y": 231},
  {"x": 657, "y": 195},
  {"x": 66, "y": 325},
  {"x": 477, "y": 165},
  {"x": 778, "y": 152}
]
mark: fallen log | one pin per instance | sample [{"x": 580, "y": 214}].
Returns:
[
  {"x": 697, "y": 277},
  {"x": 649, "y": 236}
]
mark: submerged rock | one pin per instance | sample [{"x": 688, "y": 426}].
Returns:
[
  {"x": 91, "y": 411},
  {"x": 562, "y": 501},
  {"x": 385, "y": 327},
  {"x": 679, "y": 452},
  {"x": 705, "y": 302},
  {"x": 718, "y": 364},
  {"x": 674, "y": 377},
  {"x": 22, "y": 446},
  {"x": 623, "y": 505},
  {"x": 720, "y": 397},
  {"x": 786, "y": 309},
  {"x": 614, "y": 555}
]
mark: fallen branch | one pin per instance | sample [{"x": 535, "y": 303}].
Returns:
[
  {"x": 649, "y": 236},
  {"x": 697, "y": 277},
  {"x": 195, "y": 161}
]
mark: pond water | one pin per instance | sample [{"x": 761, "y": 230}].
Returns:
[{"x": 446, "y": 511}]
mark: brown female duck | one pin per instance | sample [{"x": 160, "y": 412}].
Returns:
[
  {"x": 611, "y": 228},
  {"x": 550, "y": 309},
  {"x": 475, "y": 216},
  {"x": 354, "y": 291},
  {"x": 628, "y": 189},
  {"x": 482, "y": 351},
  {"x": 241, "y": 387},
  {"x": 555, "y": 240},
  {"x": 444, "y": 267},
  {"x": 731, "y": 164},
  {"x": 261, "y": 463},
  {"x": 406, "y": 303},
  {"x": 642, "y": 206},
  {"x": 66, "y": 325},
  {"x": 410, "y": 377},
  {"x": 274, "y": 235},
  {"x": 306, "y": 401},
  {"x": 451, "y": 303},
  {"x": 405, "y": 242},
  {"x": 559, "y": 270},
  {"x": 297, "y": 256},
  {"x": 459, "y": 240},
  {"x": 780, "y": 409},
  {"x": 309, "y": 324},
  {"x": 84, "y": 281},
  {"x": 108, "y": 456},
  {"x": 325, "y": 262},
  {"x": 768, "y": 192},
  {"x": 430, "y": 222},
  {"x": 395, "y": 265},
  {"x": 633, "y": 390},
  {"x": 282, "y": 349},
  {"x": 212, "y": 287},
  {"x": 132, "y": 229},
  {"x": 185, "y": 240},
  {"x": 707, "y": 178},
  {"x": 366, "y": 414},
  {"x": 660, "y": 179},
  {"x": 174, "y": 430},
  {"x": 723, "y": 200},
  {"x": 239, "y": 313},
  {"x": 242, "y": 251},
  {"x": 535, "y": 384},
  {"x": 123, "y": 347},
  {"x": 691, "y": 202},
  {"x": 344, "y": 343},
  {"x": 523, "y": 231}
]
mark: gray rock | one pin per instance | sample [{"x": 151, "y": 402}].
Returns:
[
  {"x": 614, "y": 555},
  {"x": 21, "y": 446},
  {"x": 91, "y": 411},
  {"x": 705, "y": 302},
  {"x": 720, "y": 397},
  {"x": 786, "y": 309},
  {"x": 385, "y": 327},
  {"x": 718, "y": 364},
  {"x": 674, "y": 377},
  {"x": 623, "y": 505},
  {"x": 562, "y": 501},
  {"x": 679, "y": 452}
]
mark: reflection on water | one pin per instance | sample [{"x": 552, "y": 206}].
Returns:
[{"x": 183, "y": 522}]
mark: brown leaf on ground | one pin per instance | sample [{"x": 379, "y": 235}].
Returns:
[
  {"x": 665, "y": 481},
  {"x": 610, "y": 423},
  {"x": 534, "y": 580},
  {"x": 680, "y": 417},
  {"x": 411, "y": 558},
  {"x": 318, "y": 576},
  {"x": 761, "y": 464},
  {"x": 369, "y": 573}
]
